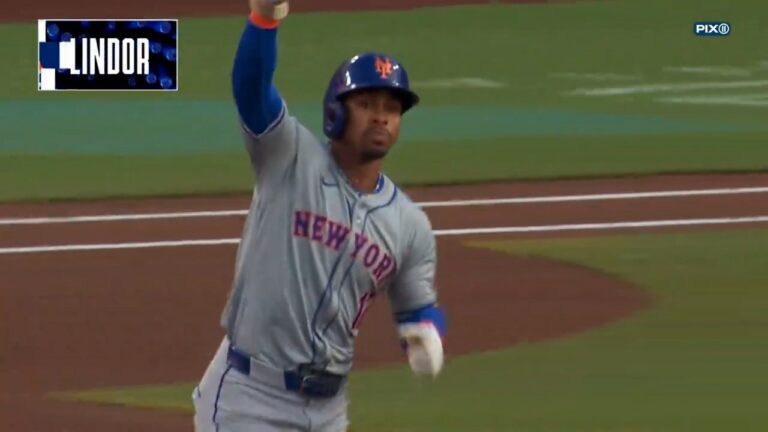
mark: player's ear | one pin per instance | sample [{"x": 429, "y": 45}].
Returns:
[{"x": 336, "y": 118}]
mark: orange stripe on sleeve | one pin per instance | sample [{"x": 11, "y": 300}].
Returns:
[{"x": 261, "y": 22}]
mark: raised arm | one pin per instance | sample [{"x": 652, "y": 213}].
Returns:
[
  {"x": 259, "y": 105},
  {"x": 258, "y": 101}
]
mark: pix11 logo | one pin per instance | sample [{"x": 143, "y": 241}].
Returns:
[
  {"x": 718, "y": 28},
  {"x": 107, "y": 54}
]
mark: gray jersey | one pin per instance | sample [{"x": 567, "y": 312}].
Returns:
[{"x": 315, "y": 253}]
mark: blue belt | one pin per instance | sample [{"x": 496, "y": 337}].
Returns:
[{"x": 305, "y": 380}]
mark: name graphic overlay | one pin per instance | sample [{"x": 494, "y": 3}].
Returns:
[{"x": 107, "y": 55}]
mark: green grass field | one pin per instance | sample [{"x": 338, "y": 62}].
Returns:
[
  {"x": 515, "y": 91},
  {"x": 692, "y": 362}
]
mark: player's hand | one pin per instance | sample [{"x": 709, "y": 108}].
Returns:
[
  {"x": 272, "y": 9},
  {"x": 424, "y": 347}
]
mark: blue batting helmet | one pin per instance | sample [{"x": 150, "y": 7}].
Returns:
[{"x": 369, "y": 70}]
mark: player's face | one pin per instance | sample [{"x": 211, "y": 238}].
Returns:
[{"x": 373, "y": 125}]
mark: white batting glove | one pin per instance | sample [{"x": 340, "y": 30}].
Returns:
[
  {"x": 272, "y": 9},
  {"x": 423, "y": 346}
]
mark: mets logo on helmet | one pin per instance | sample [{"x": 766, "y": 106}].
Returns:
[{"x": 383, "y": 67}]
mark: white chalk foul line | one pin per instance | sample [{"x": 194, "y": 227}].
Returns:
[
  {"x": 671, "y": 87},
  {"x": 122, "y": 217},
  {"x": 426, "y": 204},
  {"x": 595, "y": 197},
  {"x": 750, "y": 100},
  {"x": 603, "y": 226},
  {"x": 595, "y": 76},
  {"x": 465, "y": 82},
  {"x": 710, "y": 70},
  {"x": 117, "y": 246},
  {"x": 444, "y": 232}
]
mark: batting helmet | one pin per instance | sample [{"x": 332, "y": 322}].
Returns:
[{"x": 368, "y": 70}]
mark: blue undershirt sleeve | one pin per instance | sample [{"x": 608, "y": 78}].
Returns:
[{"x": 258, "y": 102}]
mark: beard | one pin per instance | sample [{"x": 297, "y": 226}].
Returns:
[
  {"x": 376, "y": 147},
  {"x": 373, "y": 154}
]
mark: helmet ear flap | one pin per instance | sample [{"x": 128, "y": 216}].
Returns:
[{"x": 335, "y": 119}]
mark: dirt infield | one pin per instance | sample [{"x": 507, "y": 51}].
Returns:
[{"x": 142, "y": 316}]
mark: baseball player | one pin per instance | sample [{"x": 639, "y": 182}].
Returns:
[{"x": 327, "y": 233}]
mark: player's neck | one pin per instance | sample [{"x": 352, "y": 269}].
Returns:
[{"x": 363, "y": 176}]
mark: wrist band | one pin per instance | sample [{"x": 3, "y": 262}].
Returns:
[{"x": 261, "y": 22}]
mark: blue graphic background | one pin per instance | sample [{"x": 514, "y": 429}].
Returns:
[{"x": 162, "y": 53}]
